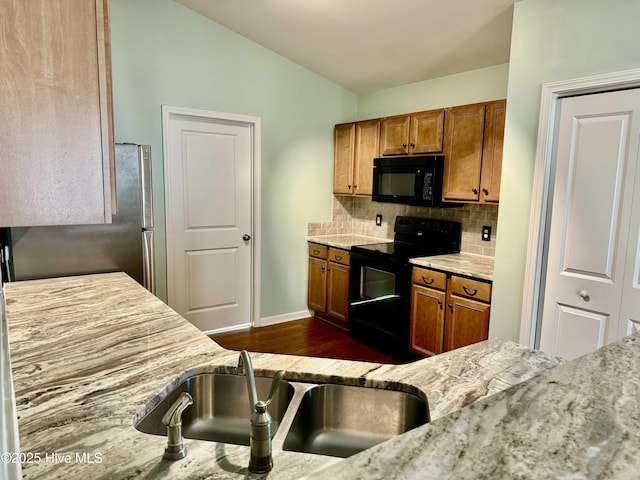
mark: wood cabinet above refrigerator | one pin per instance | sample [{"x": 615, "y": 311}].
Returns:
[{"x": 57, "y": 156}]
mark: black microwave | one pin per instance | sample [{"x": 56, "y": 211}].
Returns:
[{"x": 409, "y": 180}]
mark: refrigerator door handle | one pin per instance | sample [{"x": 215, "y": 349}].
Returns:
[
  {"x": 149, "y": 273},
  {"x": 145, "y": 180}
]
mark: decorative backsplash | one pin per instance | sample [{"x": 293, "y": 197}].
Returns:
[{"x": 356, "y": 215}]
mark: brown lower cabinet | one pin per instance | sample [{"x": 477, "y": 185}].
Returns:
[
  {"x": 328, "y": 286},
  {"x": 447, "y": 311}
]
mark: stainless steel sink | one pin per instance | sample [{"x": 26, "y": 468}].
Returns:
[
  {"x": 220, "y": 410},
  {"x": 325, "y": 419},
  {"x": 341, "y": 420}
]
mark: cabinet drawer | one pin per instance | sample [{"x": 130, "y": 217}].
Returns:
[
  {"x": 429, "y": 278},
  {"x": 466, "y": 287},
  {"x": 317, "y": 250},
  {"x": 339, "y": 256}
]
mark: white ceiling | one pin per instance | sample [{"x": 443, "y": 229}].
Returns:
[{"x": 369, "y": 45}]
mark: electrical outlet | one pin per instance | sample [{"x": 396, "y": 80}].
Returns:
[
  {"x": 486, "y": 233},
  {"x": 379, "y": 219}
]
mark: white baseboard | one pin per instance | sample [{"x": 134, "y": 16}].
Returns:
[
  {"x": 226, "y": 329},
  {"x": 263, "y": 322},
  {"x": 284, "y": 317}
]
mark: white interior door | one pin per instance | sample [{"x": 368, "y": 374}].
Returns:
[
  {"x": 591, "y": 223},
  {"x": 208, "y": 182}
]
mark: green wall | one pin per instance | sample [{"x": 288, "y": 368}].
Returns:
[
  {"x": 164, "y": 53},
  {"x": 474, "y": 86},
  {"x": 551, "y": 41}
]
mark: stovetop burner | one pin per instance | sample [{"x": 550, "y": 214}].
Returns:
[{"x": 417, "y": 237}]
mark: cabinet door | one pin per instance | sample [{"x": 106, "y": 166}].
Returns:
[
  {"x": 427, "y": 130},
  {"x": 338, "y": 294},
  {"x": 317, "y": 286},
  {"x": 343, "y": 155},
  {"x": 467, "y": 322},
  {"x": 427, "y": 321},
  {"x": 464, "y": 130},
  {"x": 394, "y": 135},
  {"x": 367, "y": 148},
  {"x": 55, "y": 121},
  {"x": 492, "y": 151}
]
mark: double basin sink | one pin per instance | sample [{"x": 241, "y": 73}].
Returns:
[{"x": 324, "y": 419}]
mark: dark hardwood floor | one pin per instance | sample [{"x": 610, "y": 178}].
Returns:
[{"x": 309, "y": 337}]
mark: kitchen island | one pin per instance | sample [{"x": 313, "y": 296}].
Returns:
[
  {"x": 92, "y": 354},
  {"x": 580, "y": 420}
]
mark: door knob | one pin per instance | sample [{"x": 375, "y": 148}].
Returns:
[
  {"x": 246, "y": 237},
  {"x": 584, "y": 295}
]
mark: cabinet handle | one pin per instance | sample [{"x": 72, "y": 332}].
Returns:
[
  {"x": 322, "y": 269},
  {"x": 338, "y": 257},
  {"x": 440, "y": 304},
  {"x": 485, "y": 191},
  {"x": 475, "y": 191},
  {"x": 404, "y": 145},
  {"x": 428, "y": 281},
  {"x": 316, "y": 252},
  {"x": 470, "y": 291},
  {"x": 349, "y": 186},
  {"x": 413, "y": 145}
]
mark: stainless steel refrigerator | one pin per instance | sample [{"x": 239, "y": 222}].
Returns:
[{"x": 124, "y": 245}]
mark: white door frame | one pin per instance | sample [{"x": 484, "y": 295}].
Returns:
[
  {"x": 255, "y": 125},
  {"x": 552, "y": 93}
]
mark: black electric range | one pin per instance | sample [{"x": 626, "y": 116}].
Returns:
[{"x": 380, "y": 281}]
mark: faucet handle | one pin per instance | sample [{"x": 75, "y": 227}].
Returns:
[{"x": 275, "y": 383}]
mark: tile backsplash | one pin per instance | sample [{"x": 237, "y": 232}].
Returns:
[{"x": 357, "y": 215}]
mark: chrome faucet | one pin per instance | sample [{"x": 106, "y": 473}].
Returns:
[
  {"x": 261, "y": 460},
  {"x": 175, "y": 449}
]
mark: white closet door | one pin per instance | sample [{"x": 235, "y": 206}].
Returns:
[{"x": 591, "y": 222}]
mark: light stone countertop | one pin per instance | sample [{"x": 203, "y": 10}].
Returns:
[
  {"x": 580, "y": 420},
  {"x": 346, "y": 241},
  {"x": 468, "y": 264},
  {"x": 91, "y": 354}
]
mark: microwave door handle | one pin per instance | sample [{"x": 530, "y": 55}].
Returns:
[{"x": 418, "y": 184}]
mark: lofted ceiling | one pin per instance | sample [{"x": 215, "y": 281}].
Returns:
[{"x": 369, "y": 45}]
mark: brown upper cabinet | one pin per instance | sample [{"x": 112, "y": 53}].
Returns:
[
  {"x": 415, "y": 134},
  {"x": 473, "y": 152},
  {"x": 470, "y": 136},
  {"x": 492, "y": 151},
  {"x": 56, "y": 130},
  {"x": 355, "y": 147}
]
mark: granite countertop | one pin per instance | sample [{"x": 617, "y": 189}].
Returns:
[
  {"x": 346, "y": 241},
  {"x": 90, "y": 354},
  {"x": 9, "y": 438},
  {"x": 578, "y": 421},
  {"x": 468, "y": 264}
]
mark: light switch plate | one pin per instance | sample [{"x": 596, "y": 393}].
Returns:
[{"x": 378, "y": 219}]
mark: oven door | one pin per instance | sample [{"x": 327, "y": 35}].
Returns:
[{"x": 379, "y": 302}]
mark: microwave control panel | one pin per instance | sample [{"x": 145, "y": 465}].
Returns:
[{"x": 427, "y": 186}]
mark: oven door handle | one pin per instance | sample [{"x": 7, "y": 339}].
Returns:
[{"x": 374, "y": 300}]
